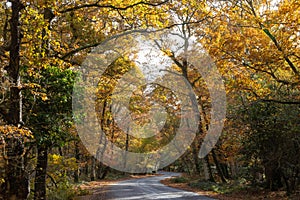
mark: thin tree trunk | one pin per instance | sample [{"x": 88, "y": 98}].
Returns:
[
  {"x": 187, "y": 167},
  {"x": 195, "y": 151},
  {"x": 205, "y": 170},
  {"x": 233, "y": 169},
  {"x": 211, "y": 177},
  {"x": 273, "y": 176},
  {"x": 77, "y": 157},
  {"x": 93, "y": 170},
  {"x": 41, "y": 173},
  {"x": 287, "y": 184},
  {"x": 104, "y": 172},
  {"x": 218, "y": 166},
  {"x": 86, "y": 167},
  {"x": 224, "y": 169},
  {"x": 126, "y": 149}
]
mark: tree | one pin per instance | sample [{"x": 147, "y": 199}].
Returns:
[
  {"x": 52, "y": 35},
  {"x": 49, "y": 115},
  {"x": 16, "y": 178},
  {"x": 254, "y": 46},
  {"x": 273, "y": 141}
]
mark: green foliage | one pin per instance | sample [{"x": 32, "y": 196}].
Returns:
[
  {"x": 220, "y": 188},
  {"x": 204, "y": 185},
  {"x": 273, "y": 142},
  {"x": 256, "y": 49},
  {"x": 115, "y": 175},
  {"x": 179, "y": 179},
  {"x": 64, "y": 191},
  {"x": 274, "y": 129},
  {"x": 48, "y": 104}
]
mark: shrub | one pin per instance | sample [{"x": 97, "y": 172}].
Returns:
[{"x": 179, "y": 179}]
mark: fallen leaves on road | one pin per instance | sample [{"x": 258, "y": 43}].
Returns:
[{"x": 245, "y": 194}]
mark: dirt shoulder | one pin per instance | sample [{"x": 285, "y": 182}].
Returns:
[
  {"x": 185, "y": 186},
  {"x": 97, "y": 189},
  {"x": 238, "y": 195}
]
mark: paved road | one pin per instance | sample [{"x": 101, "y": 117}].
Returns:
[{"x": 150, "y": 188}]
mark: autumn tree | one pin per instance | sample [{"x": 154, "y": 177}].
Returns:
[
  {"x": 16, "y": 178},
  {"x": 40, "y": 34},
  {"x": 254, "y": 46}
]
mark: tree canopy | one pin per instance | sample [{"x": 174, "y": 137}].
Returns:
[{"x": 254, "y": 45}]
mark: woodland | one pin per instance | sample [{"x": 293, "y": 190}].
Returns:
[{"x": 254, "y": 44}]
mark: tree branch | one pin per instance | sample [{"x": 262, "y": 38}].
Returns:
[
  {"x": 274, "y": 40},
  {"x": 286, "y": 58},
  {"x": 272, "y": 100},
  {"x": 72, "y": 52},
  {"x": 281, "y": 102},
  {"x": 97, "y": 5}
]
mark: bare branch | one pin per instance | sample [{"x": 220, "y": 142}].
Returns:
[
  {"x": 97, "y": 5},
  {"x": 281, "y": 102},
  {"x": 72, "y": 52},
  {"x": 272, "y": 100}
]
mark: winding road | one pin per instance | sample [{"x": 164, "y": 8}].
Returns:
[{"x": 150, "y": 188}]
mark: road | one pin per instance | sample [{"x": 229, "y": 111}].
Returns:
[{"x": 150, "y": 188}]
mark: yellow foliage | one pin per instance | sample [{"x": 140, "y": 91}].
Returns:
[
  {"x": 62, "y": 163},
  {"x": 10, "y": 130}
]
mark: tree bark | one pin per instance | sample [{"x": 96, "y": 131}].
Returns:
[
  {"x": 218, "y": 166},
  {"x": 102, "y": 171},
  {"x": 77, "y": 157},
  {"x": 224, "y": 169},
  {"x": 41, "y": 173},
  {"x": 93, "y": 170},
  {"x": 195, "y": 152},
  {"x": 205, "y": 170},
  {"x": 126, "y": 149},
  {"x": 273, "y": 176},
  {"x": 211, "y": 177},
  {"x": 233, "y": 169},
  {"x": 17, "y": 180}
]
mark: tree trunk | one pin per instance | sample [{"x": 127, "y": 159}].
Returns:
[
  {"x": 287, "y": 184},
  {"x": 77, "y": 157},
  {"x": 273, "y": 176},
  {"x": 224, "y": 169},
  {"x": 41, "y": 173},
  {"x": 211, "y": 177},
  {"x": 195, "y": 152},
  {"x": 17, "y": 180},
  {"x": 102, "y": 171},
  {"x": 86, "y": 167},
  {"x": 126, "y": 149},
  {"x": 205, "y": 170},
  {"x": 17, "y": 186},
  {"x": 93, "y": 170},
  {"x": 218, "y": 166},
  {"x": 233, "y": 169}
]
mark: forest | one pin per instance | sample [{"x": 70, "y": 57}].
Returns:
[{"x": 46, "y": 51}]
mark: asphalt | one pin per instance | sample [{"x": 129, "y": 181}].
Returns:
[{"x": 150, "y": 188}]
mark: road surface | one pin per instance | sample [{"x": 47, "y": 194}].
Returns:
[{"x": 149, "y": 188}]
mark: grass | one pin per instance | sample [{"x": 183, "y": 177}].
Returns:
[
  {"x": 180, "y": 179},
  {"x": 220, "y": 188}
]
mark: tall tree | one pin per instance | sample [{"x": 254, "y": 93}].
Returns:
[
  {"x": 49, "y": 114},
  {"x": 16, "y": 180}
]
